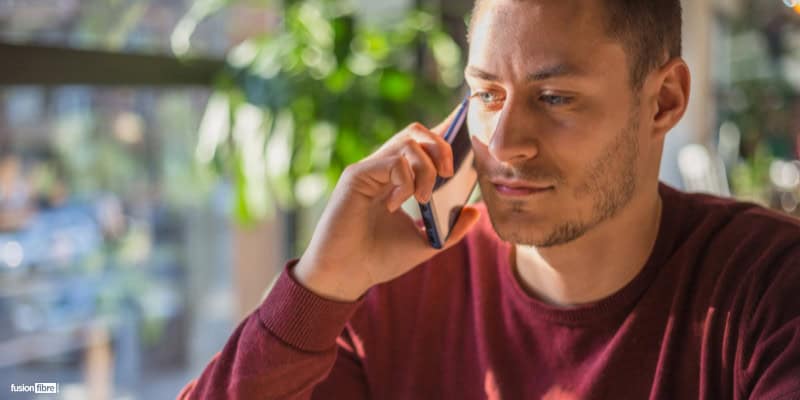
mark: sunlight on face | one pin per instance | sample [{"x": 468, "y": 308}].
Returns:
[{"x": 551, "y": 108}]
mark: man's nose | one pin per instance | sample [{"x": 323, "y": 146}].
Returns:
[{"x": 514, "y": 138}]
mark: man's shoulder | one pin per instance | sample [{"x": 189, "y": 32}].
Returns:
[
  {"x": 736, "y": 213},
  {"x": 733, "y": 227}
]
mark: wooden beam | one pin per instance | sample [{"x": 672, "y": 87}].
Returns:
[{"x": 42, "y": 65}]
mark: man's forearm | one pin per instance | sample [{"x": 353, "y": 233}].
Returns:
[{"x": 281, "y": 351}]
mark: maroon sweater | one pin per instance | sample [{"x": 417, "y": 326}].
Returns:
[{"x": 714, "y": 314}]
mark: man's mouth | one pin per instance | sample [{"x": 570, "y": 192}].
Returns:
[{"x": 517, "y": 188}]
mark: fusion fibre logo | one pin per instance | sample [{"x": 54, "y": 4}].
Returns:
[{"x": 39, "y": 388}]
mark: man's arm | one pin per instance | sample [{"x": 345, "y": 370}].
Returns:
[
  {"x": 363, "y": 238},
  {"x": 771, "y": 364},
  {"x": 284, "y": 350}
]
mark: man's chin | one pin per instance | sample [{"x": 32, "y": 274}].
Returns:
[
  {"x": 521, "y": 238},
  {"x": 532, "y": 229},
  {"x": 516, "y": 214},
  {"x": 518, "y": 227},
  {"x": 537, "y": 239}
]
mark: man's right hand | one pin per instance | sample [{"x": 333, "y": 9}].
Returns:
[{"x": 363, "y": 237}]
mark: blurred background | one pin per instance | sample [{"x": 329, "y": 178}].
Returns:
[{"x": 161, "y": 160}]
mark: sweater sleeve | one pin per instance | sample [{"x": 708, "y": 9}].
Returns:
[
  {"x": 772, "y": 370},
  {"x": 289, "y": 345}
]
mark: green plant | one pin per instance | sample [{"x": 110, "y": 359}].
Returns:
[
  {"x": 756, "y": 95},
  {"x": 758, "y": 108},
  {"x": 294, "y": 108}
]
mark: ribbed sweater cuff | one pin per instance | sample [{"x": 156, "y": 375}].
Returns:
[{"x": 301, "y": 318}]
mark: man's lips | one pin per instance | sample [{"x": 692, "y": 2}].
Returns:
[{"x": 519, "y": 188}]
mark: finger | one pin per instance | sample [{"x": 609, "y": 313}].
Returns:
[
  {"x": 432, "y": 141},
  {"x": 423, "y": 168},
  {"x": 466, "y": 220},
  {"x": 439, "y": 150},
  {"x": 401, "y": 177}
]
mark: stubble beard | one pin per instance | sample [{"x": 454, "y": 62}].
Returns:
[{"x": 610, "y": 182}]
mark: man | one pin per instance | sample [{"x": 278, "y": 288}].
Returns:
[{"x": 580, "y": 276}]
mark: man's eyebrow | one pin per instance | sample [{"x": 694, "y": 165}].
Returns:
[
  {"x": 554, "y": 71},
  {"x": 549, "y": 72},
  {"x": 480, "y": 74}
]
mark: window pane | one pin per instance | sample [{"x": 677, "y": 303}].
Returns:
[
  {"x": 115, "y": 260},
  {"x": 130, "y": 25}
]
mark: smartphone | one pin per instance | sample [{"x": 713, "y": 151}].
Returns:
[{"x": 451, "y": 194}]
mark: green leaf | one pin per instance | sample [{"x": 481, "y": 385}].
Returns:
[
  {"x": 241, "y": 210},
  {"x": 344, "y": 31},
  {"x": 396, "y": 85},
  {"x": 340, "y": 80},
  {"x": 348, "y": 146}
]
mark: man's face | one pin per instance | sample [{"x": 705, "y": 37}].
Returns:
[{"x": 552, "y": 108}]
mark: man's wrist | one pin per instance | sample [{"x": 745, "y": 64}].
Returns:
[
  {"x": 325, "y": 284},
  {"x": 300, "y": 317}
]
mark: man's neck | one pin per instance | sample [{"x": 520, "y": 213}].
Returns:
[{"x": 597, "y": 264}]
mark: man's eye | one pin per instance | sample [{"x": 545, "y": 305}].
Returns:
[
  {"x": 487, "y": 97},
  {"x": 554, "y": 100}
]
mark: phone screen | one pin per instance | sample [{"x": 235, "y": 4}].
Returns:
[{"x": 450, "y": 194}]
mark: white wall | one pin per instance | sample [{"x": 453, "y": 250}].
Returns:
[{"x": 698, "y": 123}]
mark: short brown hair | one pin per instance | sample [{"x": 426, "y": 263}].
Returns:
[{"x": 648, "y": 29}]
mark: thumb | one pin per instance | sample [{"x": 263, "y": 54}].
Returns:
[{"x": 468, "y": 217}]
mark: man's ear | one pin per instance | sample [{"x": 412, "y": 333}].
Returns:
[{"x": 672, "y": 86}]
